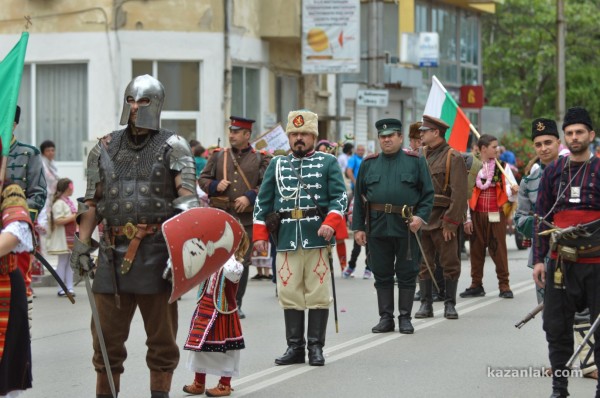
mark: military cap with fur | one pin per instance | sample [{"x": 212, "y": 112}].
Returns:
[
  {"x": 543, "y": 126},
  {"x": 430, "y": 122},
  {"x": 302, "y": 121},
  {"x": 576, "y": 115},
  {"x": 413, "y": 131},
  {"x": 388, "y": 126}
]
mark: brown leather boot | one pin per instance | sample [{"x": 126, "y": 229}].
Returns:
[
  {"x": 220, "y": 390},
  {"x": 160, "y": 383},
  {"x": 103, "y": 386},
  {"x": 194, "y": 389}
]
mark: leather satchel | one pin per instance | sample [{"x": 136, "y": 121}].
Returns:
[
  {"x": 272, "y": 222},
  {"x": 220, "y": 202}
]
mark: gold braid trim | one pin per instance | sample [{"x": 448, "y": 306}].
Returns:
[
  {"x": 14, "y": 206},
  {"x": 13, "y": 195}
]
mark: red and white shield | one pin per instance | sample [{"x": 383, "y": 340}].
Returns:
[{"x": 200, "y": 241}]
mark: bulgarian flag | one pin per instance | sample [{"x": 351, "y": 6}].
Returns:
[
  {"x": 440, "y": 104},
  {"x": 11, "y": 70}
]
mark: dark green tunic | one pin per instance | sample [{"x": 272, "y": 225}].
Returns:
[{"x": 398, "y": 179}]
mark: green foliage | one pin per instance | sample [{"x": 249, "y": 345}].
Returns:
[
  {"x": 519, "y": 58},
  {"x": 522, "y": 147}
]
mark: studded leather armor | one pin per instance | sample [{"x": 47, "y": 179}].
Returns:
[
  {"x": 137, "y": 181},
  {"x": 138, "y": 186}
]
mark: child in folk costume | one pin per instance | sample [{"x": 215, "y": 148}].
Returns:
[
  {"x": 63, "y": 228},
  {"x": 263, "y": 262},
  {"x": 16, "y": 236},
  {"x": 215, "y": 335}
]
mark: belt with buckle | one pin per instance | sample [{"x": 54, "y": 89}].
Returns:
[
  {"x": 386, "y": 208},
  {"x": 297, "y": 214},
  {"x": 135, "y": 233}
]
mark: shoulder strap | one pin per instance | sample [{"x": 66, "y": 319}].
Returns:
[
  {"x": 225, "y": 163},
  {"x": 448, "y": 158}
]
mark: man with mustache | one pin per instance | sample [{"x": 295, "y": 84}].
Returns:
[
  {"x": 389, "y": 186},
  {"x": 293, "y": 187},
  {"x": 234, "y": 175},
  {"x": 568, "y": 196}
]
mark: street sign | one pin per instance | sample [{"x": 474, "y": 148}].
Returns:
[{"x": 378, "y": 98}]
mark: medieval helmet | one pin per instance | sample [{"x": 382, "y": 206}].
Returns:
[{"x": 148, "y": 116}]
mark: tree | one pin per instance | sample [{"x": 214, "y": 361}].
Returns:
[{"x": 519, "y": 57}]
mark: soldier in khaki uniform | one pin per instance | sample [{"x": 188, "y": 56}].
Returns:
[
  {"x": 449, "y": 176},
  {"x": 231, "y": 179}
]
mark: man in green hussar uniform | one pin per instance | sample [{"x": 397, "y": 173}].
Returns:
[
  {"x": 387, "y": 183},
  {"x": 293, "y": 187}
]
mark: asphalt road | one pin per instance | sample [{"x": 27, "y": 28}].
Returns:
[{"x": 450, "y": 358}]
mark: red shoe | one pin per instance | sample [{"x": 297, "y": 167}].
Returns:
[
  {"x": 219, "y": 391},
  {"x": 194, "y": 388}
]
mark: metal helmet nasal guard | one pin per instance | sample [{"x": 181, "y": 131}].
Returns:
[{"x": 148, "y": 116}]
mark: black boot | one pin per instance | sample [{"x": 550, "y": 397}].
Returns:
[
  {"x": 159, "y": 394},
  {"x": 559, "y": 387},
  {"x": 426, "y": 310},
  {"x": 405, "y": 303},
  {"x": 294, "y": 334},
  {"x": 315, "y": 335},
  {"x": 385, "y": 302},
  {"x": 450, "y": 301}
]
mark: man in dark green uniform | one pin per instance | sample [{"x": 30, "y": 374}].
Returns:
[{"x": 387, "y": 183}]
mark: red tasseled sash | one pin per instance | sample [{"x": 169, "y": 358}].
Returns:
[{"x": 8, "y": 264}]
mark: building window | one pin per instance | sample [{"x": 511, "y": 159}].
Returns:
[
  {"x": 469, "y": 48},
  {"x": 181, "y": 79},
  {"x": 54, "y": 106},
  {"x": 287, "y": 97},
  {"x": 245, "y": 94}
]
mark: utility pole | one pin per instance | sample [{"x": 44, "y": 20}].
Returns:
[
  {"x": 375, "y": 29},
  {"x": 227, "y": 70},
  {"x": 560, "y": 61}
]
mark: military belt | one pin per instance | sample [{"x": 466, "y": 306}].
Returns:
[
  {"x": 135, "y": 234},
  {"x": 297, "y": 214},
  {"x": 386, "y": 208}
]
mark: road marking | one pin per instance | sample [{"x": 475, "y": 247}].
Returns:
[{"x": 362, "y": 343}]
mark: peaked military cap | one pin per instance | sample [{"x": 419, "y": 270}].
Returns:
[
  {"x": 388, "y": 126},
  {"x": 238, "y": 123},
  {"x": 430, "y": 122},
  {"x": 542, "y": 126}
]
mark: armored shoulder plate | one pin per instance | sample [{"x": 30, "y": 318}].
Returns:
[
  {"x": 93, "y": 171},
  {"x": 181, "y": 160}
]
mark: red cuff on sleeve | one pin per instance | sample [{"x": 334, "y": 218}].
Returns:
[
  {"x": 335, "y": 221},
  {"x": 259, "y": 232}
]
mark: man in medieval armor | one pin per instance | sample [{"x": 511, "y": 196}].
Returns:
[{"x": 137, "y": 178}]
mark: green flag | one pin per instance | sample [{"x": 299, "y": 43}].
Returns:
[{"x": 11, "y": 70}]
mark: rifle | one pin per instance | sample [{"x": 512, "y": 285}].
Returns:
[
  {"x": 584, "y": 341},
  {"x": 530, "y": 316}
]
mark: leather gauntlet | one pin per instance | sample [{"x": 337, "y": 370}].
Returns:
[{"x": 80, "y": 256}]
